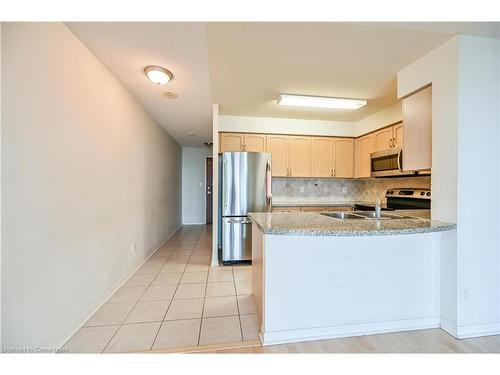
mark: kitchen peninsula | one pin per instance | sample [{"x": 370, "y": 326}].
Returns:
[{"x": 316, "y": 276}]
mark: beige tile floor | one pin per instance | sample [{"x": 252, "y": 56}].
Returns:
[{"x": 174, "y": 300}]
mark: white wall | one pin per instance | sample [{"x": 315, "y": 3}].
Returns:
[
  {"x": 465, "y": 179},
  {"x": 86, "y": 173},
  {"x": 285, "y": 126},
  {"x": 215, "y": 182},
  {"x": 193, "y": 184},
  {"x": 478, "y": 156},
  {"x": 1, "y": 131},
  {"x": 271, "y": 125},
  {"x": 380, "y": 119}
]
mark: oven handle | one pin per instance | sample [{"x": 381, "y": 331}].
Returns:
[{"x": 400, "y": 160}]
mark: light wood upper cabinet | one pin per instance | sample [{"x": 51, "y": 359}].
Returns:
[
  {"x": 277, "y": 146},
  {"x": 382, "y": 139},
  {"x": 343, "y": 158},
  {"x": 231, "y": 142},
  {"x": 363, "y": 147},
  {"x": 255, "y": 142},
  {"x": 322, "y": 156},
  {"x": 417, "y": 119},
  {"x": 397, "y": 131},
  {"x": 300, "y": 156}
]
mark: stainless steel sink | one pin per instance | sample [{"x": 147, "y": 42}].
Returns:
[
  {"x": 343, "y": 215},
  {"x": 363, "y": 215},
  {"x": 383, "y": 215}
]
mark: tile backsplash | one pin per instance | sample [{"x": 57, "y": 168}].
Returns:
[{"x": 324, "y": 190}]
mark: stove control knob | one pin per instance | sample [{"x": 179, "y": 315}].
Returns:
[
  {"x": 422, "y": 193},
  {"x": 428, "y": 194}
]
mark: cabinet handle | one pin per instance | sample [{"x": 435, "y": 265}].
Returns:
[
  {"x": 331, "y": 171},
  {"x": 334, "y": 172}
]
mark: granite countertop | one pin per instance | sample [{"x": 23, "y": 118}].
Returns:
[{"x": 315, "y": 224}]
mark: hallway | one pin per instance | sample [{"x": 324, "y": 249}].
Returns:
[{"x": 175, "y": 300}]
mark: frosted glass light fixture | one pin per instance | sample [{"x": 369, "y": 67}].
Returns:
[
  {"x": 158, "y": 74},
  {"x": 320, "y": 102}
]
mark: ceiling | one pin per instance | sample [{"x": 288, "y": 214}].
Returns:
[
  {"x": 244, "y": 66},
  {"x": 252, "y": 63},
  {"x": 126, "y": 48}
]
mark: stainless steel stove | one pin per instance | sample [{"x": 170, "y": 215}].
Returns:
[{"x": 402, "y": 199}]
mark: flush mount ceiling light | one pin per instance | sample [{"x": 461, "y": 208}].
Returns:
[
  {"x": 158, "y": 74},
  {"x": 320, "y": 102}
]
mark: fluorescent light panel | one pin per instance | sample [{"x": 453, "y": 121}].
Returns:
[{"x": 320, "y": 102}]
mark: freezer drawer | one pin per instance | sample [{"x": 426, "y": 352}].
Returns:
[{"x": 236, "y": 239}]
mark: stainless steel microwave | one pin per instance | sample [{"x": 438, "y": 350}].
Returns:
[{"x": 388, "y": 163}]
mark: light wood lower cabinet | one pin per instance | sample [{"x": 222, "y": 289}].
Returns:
[
  {"x": 277, "y": 146},
  {"x": 300, "y": 156}
]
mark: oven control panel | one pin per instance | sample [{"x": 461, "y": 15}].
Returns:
[{"x": 408, "y": 193}]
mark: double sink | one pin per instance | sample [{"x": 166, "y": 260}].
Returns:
[{"x": 360, "y": 215}]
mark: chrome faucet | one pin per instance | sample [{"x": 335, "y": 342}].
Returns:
[{"x": 378, "y": 209}]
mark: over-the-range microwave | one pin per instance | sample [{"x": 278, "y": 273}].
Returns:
[{"x": 389, "y": 163}]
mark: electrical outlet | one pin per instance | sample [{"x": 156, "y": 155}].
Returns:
[
  {"x": 133, "y": 247},
  {"x": 344, "y": 189},
  {"x": 302, "y": 189}
]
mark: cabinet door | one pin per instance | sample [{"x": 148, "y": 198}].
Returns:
[
  {"x": 255, "y": 142},
  {"x": 382, "y": 139},
  {"x": 364, "y": 147},
  {"x": 322, "y": 157},
  {"x": 417, "y": 120},
  {"x": 277, "y": 146},
  {"x": 344, "y": 158},
  {"x": 398, "y": 135},
  {"x": 300, "y": 156},
  {"x": 231, "y": 142}
]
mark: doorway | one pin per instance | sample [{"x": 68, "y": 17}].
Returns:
[{"x": 208, "y": 189}]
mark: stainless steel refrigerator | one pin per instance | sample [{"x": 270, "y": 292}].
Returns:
[{"x": 244, "y": 186}]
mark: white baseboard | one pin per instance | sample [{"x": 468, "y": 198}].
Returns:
[
  {"x": 351, "y": 330},
  {"x": 193, "y": 223},
  {"x": 449, "y": 326},
  {"x": 121, "y": 283},
  {"x": 478, "y": 330}
]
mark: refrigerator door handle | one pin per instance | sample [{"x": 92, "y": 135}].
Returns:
[{"x": 239, "y": 221}]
